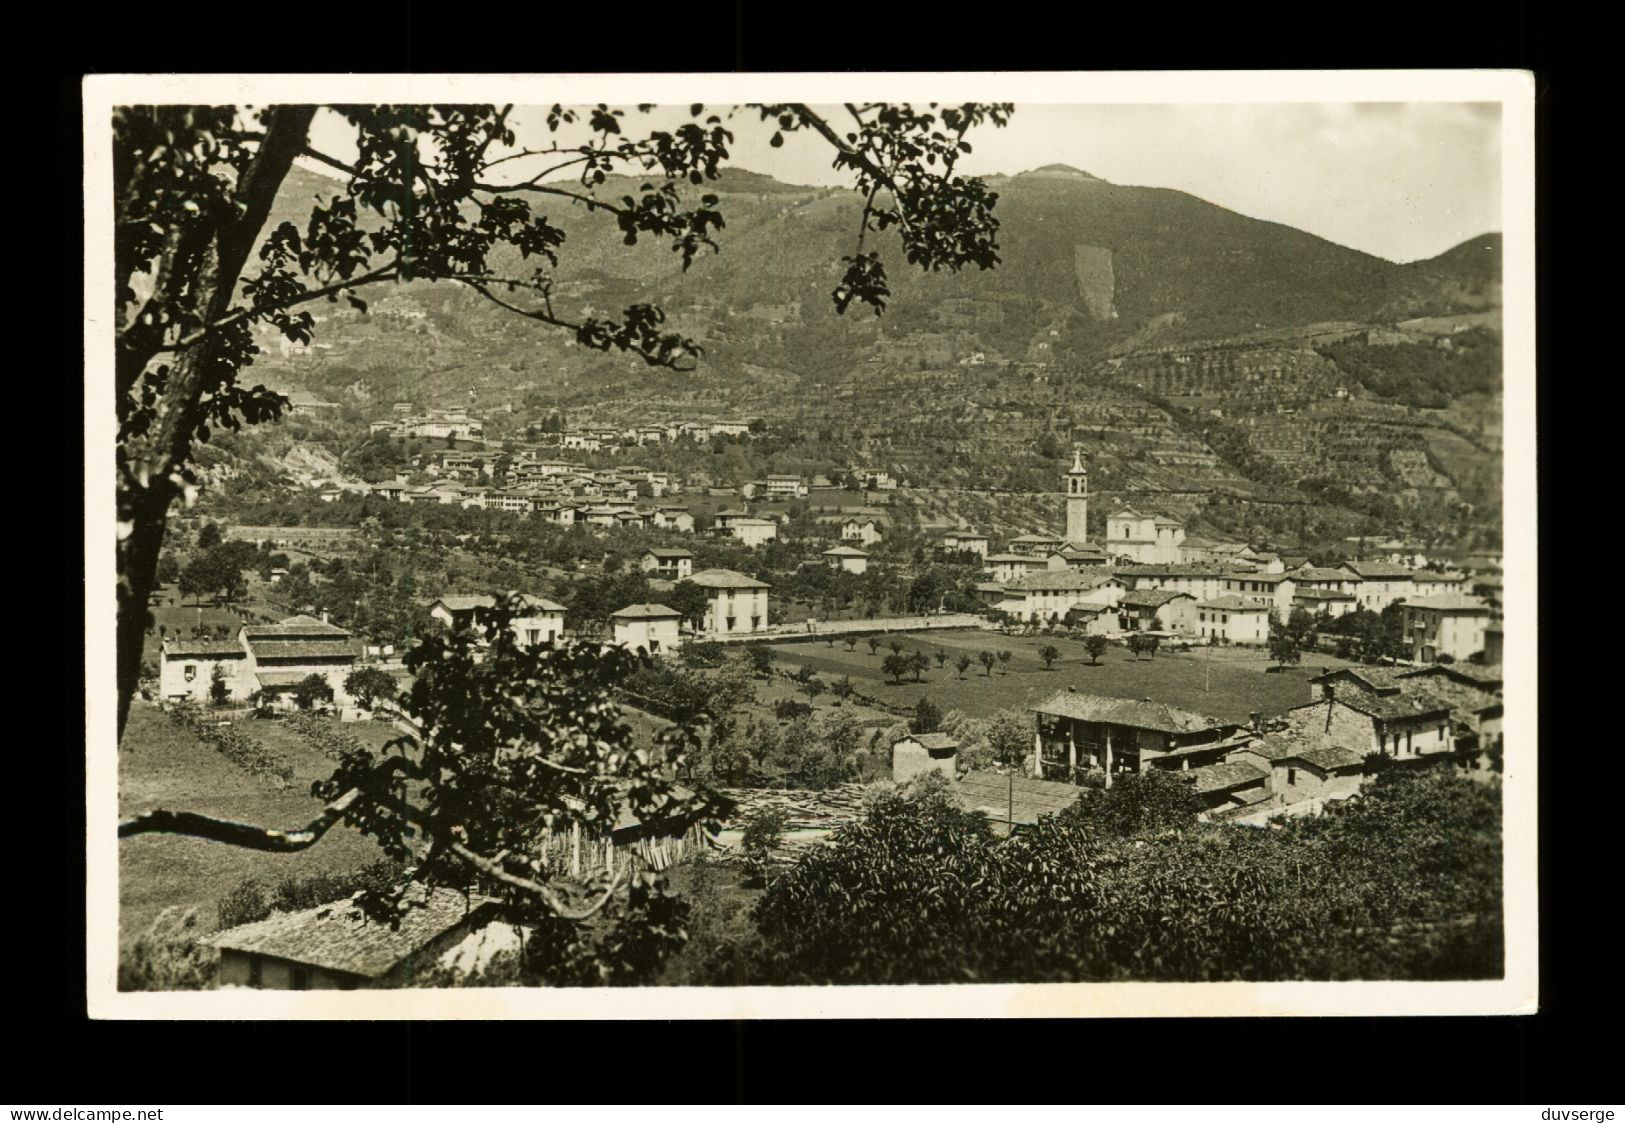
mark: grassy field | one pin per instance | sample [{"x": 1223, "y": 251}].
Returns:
[
  {"x": 162, "y": 765},
  {"x": 1222, "y": 686}
]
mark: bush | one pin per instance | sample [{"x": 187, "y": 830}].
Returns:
[
  {"x": 169, "y": 955},
  {"x": 245, "y": 904},
  {"x": 788, "y": 709}
]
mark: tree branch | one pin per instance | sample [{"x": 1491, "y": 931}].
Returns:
[
  {"x": 242, "y": 834},
  {"x": 497, "y": 873}
]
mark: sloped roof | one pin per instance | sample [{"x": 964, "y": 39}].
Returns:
[
  {"x": 726, "y": 579},
  {"x": 992, "y": 793},
  {"x": 664, "y": 553},
  {"x": 338, "y": 938},
  {"x": 1381, "y": 679},
  {"x": 1233, "y": 603},
  {"x": 1379, "y": 569},
  {"x": 933, "y": 740},
  {"x": 1481, "y": 677},
  {"x": 1331, "y": 757},
  {"x": 1059, "y": 580},
  {"x": 844, "y": 552},
  {"x": 464, "y": 602},
  {"x": 203, "y": 649},
  {"x": 265, "y": 649},
  {"x": 294, "y": 626},
  {"x": 1151, "y": 598},
  {"x": 646, "y": 612},
  {"x": 1222, "y": 777},
  {"x": 1449, "y": 602},
  {"x": 1015, "y": 558},
  {"x": 1126, "y": 711},
  {"x": 274, "y": 679}
]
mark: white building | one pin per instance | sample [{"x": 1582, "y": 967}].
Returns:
[
  {"x": 867, "y": 531},
  {"x": 652, "y": 627},
  {"x": 847, "y": 559},
  {"x": 738, "y": 603},
  {"x": 1153, "y": 539}
]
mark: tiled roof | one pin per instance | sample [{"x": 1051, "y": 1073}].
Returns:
[
  {"x": 1331, "y": 757},
  {"x": 1449, "y": 602},
  {"x": 646, "y": 612},
  {"x": 1015, "y": 558},
  {"x": 669, "y": 553},
  {"x": 295, "y": 626},
  {"x": 1151, "y": 598},
  {"x": 1321, "y": 594},
  {"x": 336, "y": 936},
  {"x": 1368, "y": 678},
  {"x": 280, "y": 678},
  {"x": 1233, "y": 603},
  {"x": 203, "y": 649},
  {"x": 1126, "y": 711},
  {"x": 844, "y": 552},
  {"x": 934, "y": 740},
  {"x": 993, "y": 793},
  {"x": 726, "y": 579},
  {"x": 1262, "y": 578},
  {"x": 1221, "y": 777},
  {"x": 1389, "y": 570},
  {"x": 1485, "y": 677},
  {"x": 264, "y": 649},
  {"x": 1069, "y": 579},
  {"x": 1170, "y": 571},
  {"x": 1387, "y": 707}
]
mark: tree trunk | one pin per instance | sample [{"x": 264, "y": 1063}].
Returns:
[{"x": 147, "y": 485}]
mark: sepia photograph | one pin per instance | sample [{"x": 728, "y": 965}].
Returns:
[{"x": 848, "y": 545}]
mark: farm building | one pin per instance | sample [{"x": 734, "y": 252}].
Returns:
[
  {"x": 1076, "y": 732},
  {"x": 333, "y": 947},
  {"x": 924, "y": 752}
]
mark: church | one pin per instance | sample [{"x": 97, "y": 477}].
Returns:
[{"x": 1144, "y": 539}]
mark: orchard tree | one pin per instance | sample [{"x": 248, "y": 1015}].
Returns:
[
  {"x": 896, "y": 666},
  {"x": 988, "y": 659},
  {"x": 962, "y": 664},
  {"x": 312, "y": 690},
  {"x": 1096, "y": 647},
  {"x": 1004, "y": 662},
  {"x": 370, "y": 684},
  {"x": 927, "y": 717},
  {"x": 1049, "y": 653},
  {"x": 441, "y": 193}
]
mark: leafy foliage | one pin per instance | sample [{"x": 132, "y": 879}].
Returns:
[{"x": 1402, "y": 884}]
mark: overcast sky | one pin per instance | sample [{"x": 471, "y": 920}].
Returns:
[{"x": 1399, "y": 180}]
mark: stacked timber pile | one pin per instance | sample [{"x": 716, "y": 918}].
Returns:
[{"x": 802, "y": 809}]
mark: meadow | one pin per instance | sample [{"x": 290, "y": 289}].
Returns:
[
  {"x": 164, "y": 765},
  {"x": 1215, "y": 684}
]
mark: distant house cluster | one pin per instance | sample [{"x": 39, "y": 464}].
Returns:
[
  {"x": 1149, "y": 576},
  {"x": 438, "y": 424}
]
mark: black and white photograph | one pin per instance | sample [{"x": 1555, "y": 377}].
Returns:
[{"x": 802, "y": 546}]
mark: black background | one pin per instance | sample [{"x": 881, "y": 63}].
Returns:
[{"x": 57, "y": 1057}]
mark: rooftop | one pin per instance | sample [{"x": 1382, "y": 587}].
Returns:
[
  {"x": 1125, "y": 711},
  {"x": 203, "y": 649},
  {"x": 1379, "y": 569},
  {"x": 1222, "y": 777},
  {"x": 933, "y": 740},
  {"x": 1151, "y": 598},
  {"x": 1449, "y": 602},
  {"x": 844, "y": 552},
  {"x": 726, "y": 579},
  {"x": 1060, "y": 580},
  {"x": 1020, "y": 799},
  {"x": 646, "y": 612},
  {"x": 293, "y": 626},
  {"x": 337, "y": 937},
  {"x": 1233, "y": 603}
]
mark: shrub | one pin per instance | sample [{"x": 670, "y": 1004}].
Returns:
[
  {"x": 169, "y": 955},
  {"x": 245, "y": 904}
]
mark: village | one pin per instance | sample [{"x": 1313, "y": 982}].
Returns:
[{"x": 1275, "y": 741}]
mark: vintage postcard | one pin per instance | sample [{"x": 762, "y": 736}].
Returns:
[{"x": 859, "y": 545}]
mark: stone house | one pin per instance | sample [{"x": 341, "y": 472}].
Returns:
[
  {"x": 847, "y": 559},
  {"x": 1077, "y": 732},
  {"x": 1157, "y": 610},
  {"x": 924, "y": 752},
  {"x": 333, "y": 947},
  {"x": 672, "y": 565}
]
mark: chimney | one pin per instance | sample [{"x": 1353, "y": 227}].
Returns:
[{"x": 324, "y": 616}]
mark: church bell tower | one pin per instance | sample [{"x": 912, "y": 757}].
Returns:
[{"x": 1077, "y": 501}]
